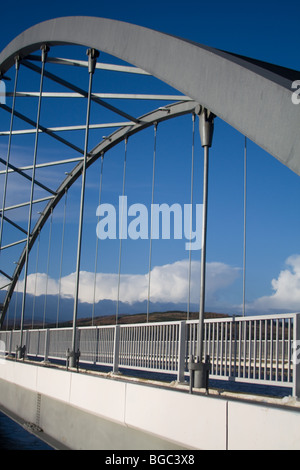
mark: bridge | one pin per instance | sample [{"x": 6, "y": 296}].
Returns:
[{"x": 129, "y": 381}]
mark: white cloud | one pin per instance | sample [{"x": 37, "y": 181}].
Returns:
[
  {"x": 286, "y": 290},
  {"x": 169, "y": 283}
]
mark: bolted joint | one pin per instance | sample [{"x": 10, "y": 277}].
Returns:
[
  {"x": 44, "y": 49},
  {"x": 92, "y": 54},
  {"x": 73, "y": 358},
  {"x": 20, "y": 352},
  {"x": 206, "y": 127},
  {"x": 199, "y": 373},
  {"x": 17, "y": 62}
]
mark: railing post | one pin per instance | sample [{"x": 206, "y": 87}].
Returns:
[
  {"x": 181, "y": 351},
  {"x": 25, "y": 349},
  {"x": 296, "y": 357},
  {"x": 46, "y": 350},
  {"x": 116, "y": 349},
  {"x": 234, "y": 329},
  {"x": 10, "y": 342}
]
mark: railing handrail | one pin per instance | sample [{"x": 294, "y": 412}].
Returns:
[
  {"x": 257, "y": 349},
  {"x": 225, "y": 319},
  {"x": 235, "y": 318}
]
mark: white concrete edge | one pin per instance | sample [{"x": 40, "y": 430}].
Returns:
[{"x": 191, "y": 420}]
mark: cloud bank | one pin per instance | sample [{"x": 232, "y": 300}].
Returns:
[{"x": 169, "y": 283}]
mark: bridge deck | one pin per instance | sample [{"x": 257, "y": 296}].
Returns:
[{"x": 118, "y": 412}]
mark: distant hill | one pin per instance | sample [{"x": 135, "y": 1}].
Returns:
[
  {"x": 167, "y": 316},
  {"x": 104, "y": 312}
]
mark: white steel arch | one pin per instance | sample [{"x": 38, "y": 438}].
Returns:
[{"x": 252, "y": 96}]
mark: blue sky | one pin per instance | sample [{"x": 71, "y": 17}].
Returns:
[{"x": 265, "y": 30}]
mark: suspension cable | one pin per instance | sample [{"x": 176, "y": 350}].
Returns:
[
  {"x": 92, "y": 54},
  {"x": 121, "y": 230},
  {"x": 245, "y": 207},
  {"x": 48, "y": 264},
  {"x": 7, "y": 316},
  {"x": 97, "y": 240},
  {"x": 152, "y": 200},
  {"x": 61, "y": 258},
  {"x": 36, "y": 273},
  {"x": 17, "y": 66},
  {"x": 16, "y": 305},
  {"x": 17, "y": 63},
  {"x": 191, "y": 220},
  {"x": 43, "y": 59}
]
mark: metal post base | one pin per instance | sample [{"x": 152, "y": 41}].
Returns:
[
  {"x": 72, "y": 359},
  {"x": 20, "y": 352},
  {"x": 199, "y": 373}
]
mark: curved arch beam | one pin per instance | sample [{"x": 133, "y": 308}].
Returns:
[
  {"x": 157, "y": 116},
  {"x": 252, "y": 96}
]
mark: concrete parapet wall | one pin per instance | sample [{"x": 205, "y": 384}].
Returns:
[{"x": 84, "y": 411}]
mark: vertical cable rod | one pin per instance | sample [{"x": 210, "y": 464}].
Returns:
[
  {"x": 206, "y": 126},
  {"x": 152, "y": 200},
  {"x": 44, "y": 50},
  {"x": 61, "y": 258},
  {"x": 48, "y": 264},
  {"x": 203, "y": 254},
  {"x": 191, "y": 220},
  {"x": 17, "y": 66},
  {"x": 97, "y": 241},
  {"x": 121, "y": 232},
  {"x": 7, "y": 316},
  {"x": 35, "y": 283},
  {"x": 92, "y": 54},
  {"x": 245, "y": 209},
  {"x": 16, "y": 306}
]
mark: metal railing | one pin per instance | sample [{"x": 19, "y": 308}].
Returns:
[{"x": 258, "y": 349}]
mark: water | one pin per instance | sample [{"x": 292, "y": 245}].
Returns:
[{"x": 15, "y": 437}]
